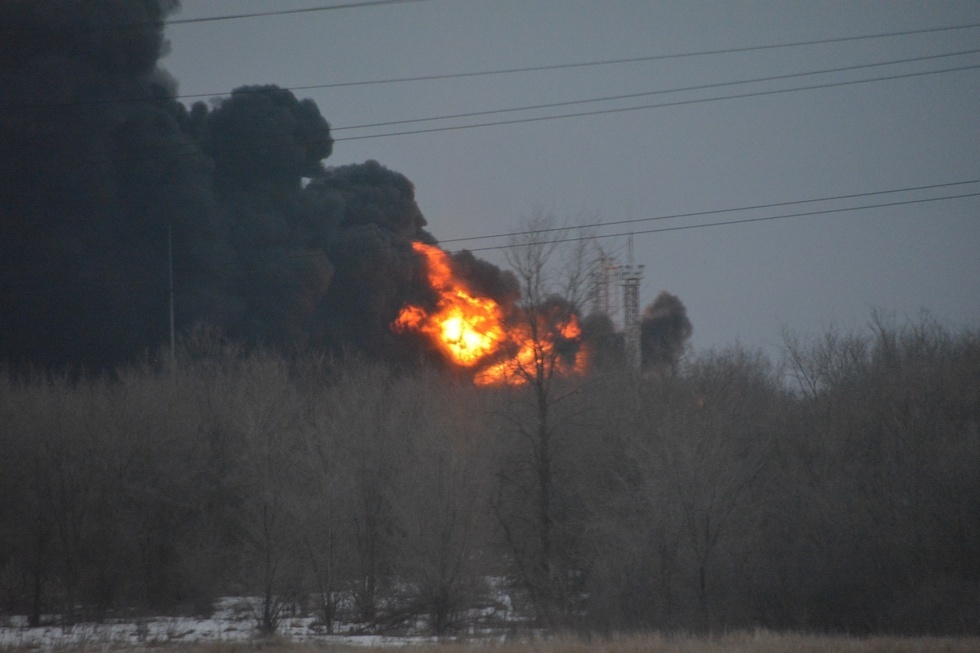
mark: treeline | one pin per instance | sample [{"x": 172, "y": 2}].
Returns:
[{"x": 837, "y": 490}]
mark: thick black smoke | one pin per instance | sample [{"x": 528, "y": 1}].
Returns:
[
  {"x": 605, "y": 344},
  {"x": 100, "y": 171},
  {"x": 664, "y": 331}
]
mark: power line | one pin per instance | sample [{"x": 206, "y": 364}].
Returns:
[
  {"x": 319, "y": 253},
  {"x": 655, "y": 57},
  {"x": 166, "y": 22},
  {"x": 192, "y": 148},
  {"x": 697, "y": 214},
  {"x": 657, "y": 105},
  {"x": 25, "y": 35},
  {"x": 681, "y": 89},
  {"x": 304, "y": 10},
  {"x": 627, "y": 60},
  {"x": 728, "y": 222},
  {"x": 508, "y": 71}
]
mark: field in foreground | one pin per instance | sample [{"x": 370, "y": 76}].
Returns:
[{"x": 739, "y": 642}]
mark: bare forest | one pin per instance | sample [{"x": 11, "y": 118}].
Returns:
[
  {"x": 340, "y": 418},
  {"x": 838, "y": 490}
]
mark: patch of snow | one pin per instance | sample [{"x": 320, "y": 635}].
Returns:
[{"x": 233, "y": 620}]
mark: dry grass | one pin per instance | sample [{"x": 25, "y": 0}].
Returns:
[
  {"x": 745, "y": 642},
  {"x": 741, "y": 642}
]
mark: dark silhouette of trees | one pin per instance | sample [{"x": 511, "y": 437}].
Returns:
[
  {"x": 836, "y": 491},
  {"x": 532, "y": 496},
  {"x": 882, "y": 414}
]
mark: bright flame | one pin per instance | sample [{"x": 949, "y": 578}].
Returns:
[
  {"x": 471, "y": 331},
  {"x": 535, "y": 357},
  {"x": 466, "y": 328}
]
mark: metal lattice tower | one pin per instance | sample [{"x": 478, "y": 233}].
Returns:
[
  {"x": 630, "y": 275},
  {"x": 604, "y": 299}
]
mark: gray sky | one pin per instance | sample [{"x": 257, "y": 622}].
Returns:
[{"x": 741, "y": 283}]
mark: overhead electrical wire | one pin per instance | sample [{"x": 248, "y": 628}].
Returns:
[
  {"x": 167, "y": 22},
  {"x": 285, "y": 12},
  {"x": 608, "y": 62},
  {"x": 681, "y": 89},
  {"x": 192, "y": 147},
  {"x": 593, "y": 236},
  {"x": 525, "y": 69},
  {"x": 570, "y": 239},
  {"x": 697, "y": 214},
  {"x": 659, "y": 105},
  {"x": 726, "y": 222}
]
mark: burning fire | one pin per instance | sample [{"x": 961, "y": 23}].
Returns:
[
  {"x": 531, "y": 356},
  {"x": 472, "y": 331}
]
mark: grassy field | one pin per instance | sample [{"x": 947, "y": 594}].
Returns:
[{"x": 740, "y": 642}]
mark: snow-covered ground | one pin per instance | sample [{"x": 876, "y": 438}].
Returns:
[{"x": 233, "y": 620}]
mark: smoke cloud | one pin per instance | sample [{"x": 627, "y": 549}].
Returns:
[
  {"x": 664, "y": 331},
  {"x": 101, "y": 173}
]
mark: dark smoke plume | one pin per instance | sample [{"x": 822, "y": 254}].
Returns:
[
  {"x": 100, "y": 171},
  {"x": 88, "y": 184},
  {"x": 664, "y": 331},
  {"x": 605, "y": 344}
]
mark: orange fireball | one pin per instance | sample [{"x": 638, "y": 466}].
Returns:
[
  {"x": 464, "y": 327},
  {"x": 535, "y": 357},
  {"x": 471, "y": 330}
]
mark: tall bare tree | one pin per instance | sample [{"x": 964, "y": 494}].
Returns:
[
  {"x": 439, "y": 504},
  {"x": 538, "y": 411}
]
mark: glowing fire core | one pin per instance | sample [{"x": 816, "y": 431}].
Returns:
[{"x": 471, "y": 330}]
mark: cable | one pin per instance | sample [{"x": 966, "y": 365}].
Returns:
[
  {"x": 194, "y": 147},
  {"x": 321, "y": 253},
  {"x": 658, "y": 105},
  {"x": 656, "y": 57},
  {"x": 526, "y": 69},
  {"x": 284, "y": 12},
  {"x": 681, "y": 89},
  {"x": 161, "y": 24},
  {"x": 696, "y": 214},
  {"x": 608, "y": 62},
  {"x": 726, "y": 222}
]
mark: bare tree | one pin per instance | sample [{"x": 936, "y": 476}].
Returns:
[
  {"x": 27, "y": 411},
  {"x": 366, "y": 418},
  {"x": 262, "y": 406},
  {"x": 326, "y": 509},
  {"x": 889, "y": 430},
  {"x": 439, "y": 504},
  {"x": 551, "y": 279}
]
